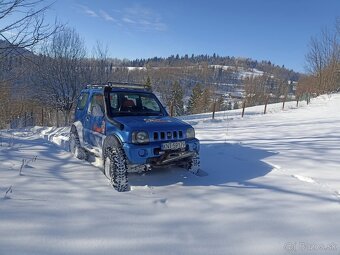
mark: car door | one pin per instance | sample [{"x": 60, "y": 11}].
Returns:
[{"x": 94, "y": 121}]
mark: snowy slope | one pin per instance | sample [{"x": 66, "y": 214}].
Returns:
[
  {"x": 270, "y": 185},
  {"x": 242, "y": 72}
]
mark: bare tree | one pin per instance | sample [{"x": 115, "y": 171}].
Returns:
[
  {"x": 61, "y": 71},
  {"x": 101, "y": 68},
  {"x": 305, "y": 87},
  {"x": 255, "y": 88},
  {"x": 27, "y": 28},
  {"x": 323, "y": 59},
  {"x": 22, "y": 26}
]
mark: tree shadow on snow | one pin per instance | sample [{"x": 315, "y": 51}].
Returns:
[{"x": 220, "y": 163}]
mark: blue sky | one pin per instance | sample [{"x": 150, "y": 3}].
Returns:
[{"x": 273, "y": 30}]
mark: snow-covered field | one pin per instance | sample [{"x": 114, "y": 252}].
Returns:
[{"x": 269, "y": 185}]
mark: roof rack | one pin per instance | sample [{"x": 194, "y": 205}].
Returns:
[
  {"x": 99, "y": 86},
  {"x": 124, "y": 85}
]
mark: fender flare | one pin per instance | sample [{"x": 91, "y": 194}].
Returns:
[{"x": 111, "y": 141}]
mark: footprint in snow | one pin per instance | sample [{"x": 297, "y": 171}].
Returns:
[
  {"x": 337, "y": 193},
  {"x": 163, "y": 201}
]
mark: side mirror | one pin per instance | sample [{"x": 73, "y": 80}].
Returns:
[{"x": 97, "y": 111}]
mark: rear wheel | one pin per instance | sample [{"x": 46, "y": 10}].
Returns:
[
  {"x": 115, "y": 168},
  {"x": 75, "y": 147}
]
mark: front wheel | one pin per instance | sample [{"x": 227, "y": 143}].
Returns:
[
  {"x": 193, "y": 164},
  {"x": 115, "y": 168}
]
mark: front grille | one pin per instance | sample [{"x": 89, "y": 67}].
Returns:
[{"x": 167, "y": 135}]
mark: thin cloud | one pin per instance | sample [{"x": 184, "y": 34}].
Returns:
[
  {"x": 106, "y": 16},
  {"x": 87, "y": 11},
  {"x": 10, "y": 33},
  {"x": 142, "y": 18},
  {"x": 128, "y": 20},
  {"x": 135, "y": 17}
]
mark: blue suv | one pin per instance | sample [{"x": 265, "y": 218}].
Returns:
[{"x": 127, "y": 126}]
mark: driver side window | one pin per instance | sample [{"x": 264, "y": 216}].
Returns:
[{"x": 150, "y": 104}]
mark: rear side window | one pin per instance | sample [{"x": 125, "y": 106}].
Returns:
[{"x": 82, "y": 101}]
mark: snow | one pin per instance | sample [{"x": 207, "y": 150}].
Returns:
[
  {"x": 242, "y": 73},
  {"x": 132, "y": 68},
  {"x": 269, "y": 185},
  {"x": 303, "y": 178}
]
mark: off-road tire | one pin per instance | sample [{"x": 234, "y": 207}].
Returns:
[
  {"x": 75, "y": 147},
  {"x": 115, "y": 168},
  {"x": 193, "y": 164}
]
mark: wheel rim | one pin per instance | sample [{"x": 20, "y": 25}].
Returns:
[{"x": 107, "y": 164}]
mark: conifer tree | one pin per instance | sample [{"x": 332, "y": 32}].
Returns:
[
  {"x": 220, "y": 104},
  {"x": 177, "y": 98},
  {"x": 206, "y": 100},
  {"x": 229, "y": 107},
  {"x": 195, "y": 101},
  {"x": 148, "y": 83}
]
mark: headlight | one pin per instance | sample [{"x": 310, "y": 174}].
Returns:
[
  {"x": 140, "y": 137},
  {"x": 190, "y": 133}
]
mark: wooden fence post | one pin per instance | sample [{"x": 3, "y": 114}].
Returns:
[
  {"x": 284, "y": 101},
  {"x": 265, "y": 106},
  {"x": 243, "y": 107},
  {"x": 214, "y": 109}
]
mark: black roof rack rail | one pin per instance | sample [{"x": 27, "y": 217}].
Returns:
[
  {"x": 89, "y": 86},
  {"x": 124, "y": 85}
]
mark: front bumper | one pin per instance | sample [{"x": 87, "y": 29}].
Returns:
[{"x": 152, "y": 153}]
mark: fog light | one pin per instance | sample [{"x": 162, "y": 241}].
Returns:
[{"x": 142, "y": 153}]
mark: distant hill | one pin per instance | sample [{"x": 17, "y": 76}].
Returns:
[{"x": 246, "y": 64}]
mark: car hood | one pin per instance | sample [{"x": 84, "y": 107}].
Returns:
[{"x": 152, "y": 123}]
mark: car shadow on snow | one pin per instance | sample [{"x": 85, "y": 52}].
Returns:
[{"x": 220, "y": 163}]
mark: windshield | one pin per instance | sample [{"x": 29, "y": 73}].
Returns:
[{"x": 134, "y": 104}]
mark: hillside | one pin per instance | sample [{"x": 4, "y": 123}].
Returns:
[
  {"x": 225, "y": 74},
  {"x": 268, "y": 185},
  {"x": 45, "y": 88},
  {"x": 218, "y": 62},
  {"x": 8, "y": 50}
]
